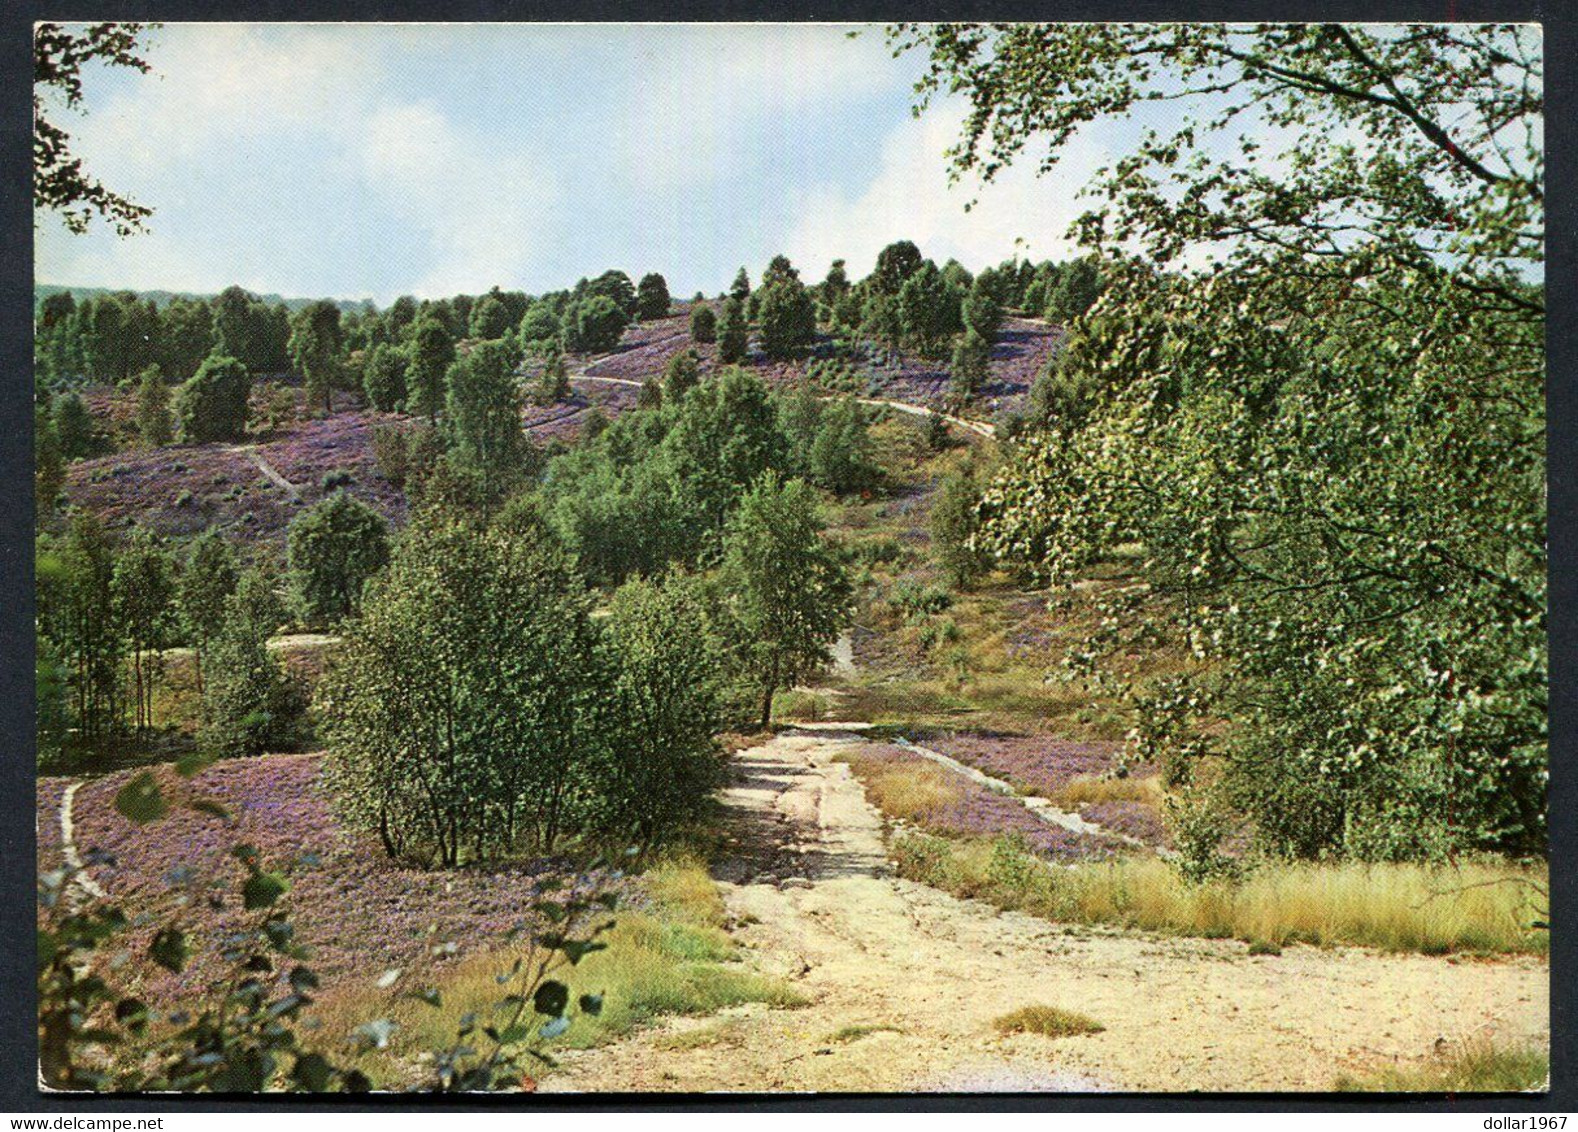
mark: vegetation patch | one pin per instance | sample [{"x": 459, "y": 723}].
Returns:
[
  {"x": 1051, "y": 1021},
  {"x": 1488, "y": 906},
  {"x": 1469, "y": 1067}
]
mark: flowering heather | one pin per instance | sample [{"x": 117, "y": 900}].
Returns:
[
  {"x": 1132, "y": 819},
  {"x": 178, "y": 490},
  {"x": 49, "y": 793},
  {"x": 343, "y": 442},
  {"x": 357, "y": 912},
  {"x": 1038, "y": 763},
  {"x": 975, "y": 811}
]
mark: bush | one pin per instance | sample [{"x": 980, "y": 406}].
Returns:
[
  {"x": 733, "y": 332},
  {"x": 788, "y": 318},
  {"x": 593, "y": 325},
  {"x": 841, "y": 457},
  {"x": 73, "y": 426},
  {"x": 914, "y": 600},
  {"x": 383, "y": 377},
  {"x": 212, "y": 404},
  {"x": 332, "y": 549},
  {"x": 703, "y": 324},
  {"x": 333, "y": 481},
  {"x": 154, "y": 423},
  {"x": 248, "y": 704},
  {"x": 390, "y": 447},
  {"x": 652, "y": 297},
  {"x": 954, "y": 523}
]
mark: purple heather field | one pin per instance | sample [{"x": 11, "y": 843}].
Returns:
[
  {"x": 979, "y": 812},
  {"x": 357, "y": 912}
]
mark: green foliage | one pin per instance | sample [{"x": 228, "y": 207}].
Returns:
[
  {"x": 787, "y": 316},
  {"x": 681, "y": 375},
  {"x": 1078, "y": 287},
  {"x": 539, "y": 324},
  {"x": 592, "y": 325},
  {"x": 788, "y": 596},
  {"x": 842, "y": 458},
  {"x": 895, "y": 264},
  {"x": 483, "y": 413},
  {"x": 49, "y": 472},
  {"x": 614, "y": 285},
  {"x": 144, "y": 590},
  {"x": 77, "y": 612},
  {"x": 332, "y": 549},
  {"x": 462, "y": 707},
  {"x": 490, "y": 318},
  {"x": 955, "y": 523},
  {"x": 928, "y": 309},
  {"x": 212, "y": 404},
  {"x": 703, "y": 324},
  {"x": 740, "y": 289},
  {"x": 73, "y": 426},
  {"x": 154, "y": 424},
  {"x": 733, "y": 332},
  {"x": 553, "y": 383},
  {"x": 1332, "y": 456},
  {"x": 206, "y": 585},
  {"x": 432, "y": 351},
  {"x": 249, "y": 705},
  {"x": 316, "y": 340},
  {"x": 665, "y": 761},
  {"x": 384, "y": 376},
  {"x": 969, "y": 368},
  {"x": 652, "y": 298}
]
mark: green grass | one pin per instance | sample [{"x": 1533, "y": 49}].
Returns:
[
  {"x": 1051, "y": 1021},
  {"x": 674, "y": 959},
  {"x": 1471, "y": 1067},
  {"x": 1485, "y": 907},
  {"x": 846, "y": 1034}
]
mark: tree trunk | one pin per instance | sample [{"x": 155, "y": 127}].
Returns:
[{"x": 767, "y": 705}]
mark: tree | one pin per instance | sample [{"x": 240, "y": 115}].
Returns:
[
  {"x": 681, "y": 375},
  {"x": 788, "y": 317},
  {"x": 247, "y": 701},
  {"x": 969, "y": 369},
  {"x": 652, "y": 298},
  {"x": 461, "y": 711},
  {"x": 483, "y": 411},
  {"x": 703, "y": 324},
  {"x": 144, "y": 592},
  {"x": 895, "y": 264},
  {"x": 779, "y": 270},
  {"x": 205, "y": 587},
  {"x": 332, "y": 548},
  {"x": 835, "y": 286},
  {"x": 433, "y": 349},
  {"x": 664, "y": 761},
  {"x": 539, "y": 324},
  {"x": 740, "y": 289},
  {"x": 383, "y": 377},
  {"x": 315, "y": 344},
  {"x": 788, "y": 595},
  {"x": 615, "y": 285},
  {"x": 86, "y": 626},
  {"x": 186, "y": 337},
  {"x": 73, "y": 426},
  {"x": 553, "y": 384},
  {"x": 732, "y": 332},
  {"x": 955, "y": 521},
  {"x": 60, "y": 184},
  {"x": 593, "y": 325},
  {"x": 928, "y": 309},
  {"x": 212, "y": 405},
  {"x": 1077, "y": 288},
  {"x": 241, "y": 329},
  {"x": 490, "y": 318},
  {"x": 842, "y": 459},
  {"x": 982, "y": 310},
  {"x": 49, "y": 473},
  {"x": 720, "y": 438},
  {"x": 153, "y": 409},
  {"x": 1374, "y": 634}
]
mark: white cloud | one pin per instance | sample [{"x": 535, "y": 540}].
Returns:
[
  {"x": 706, "y": 97},
  {"x": 482, "y": 213},
  {"x": 909, "y": 197}
]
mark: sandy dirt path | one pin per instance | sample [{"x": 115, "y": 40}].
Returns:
[{"x": 815, "y": 901}]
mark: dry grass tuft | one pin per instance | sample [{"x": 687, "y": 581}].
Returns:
[
  {"x": 1485, "y": 907},
  {"x": 1093, "y": 789},
  {"x": 905, "y": 790},
  {"x": 1052, "y": 1021},
  {"x": 1468, "y": 1067}
]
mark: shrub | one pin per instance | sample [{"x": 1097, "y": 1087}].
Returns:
[
  {"x": 336, "y": 479},
  {"x": 733, "y": 332},
  {"x": 73, "y": 426},
  {"x": 248, "y": 704},
  {"x": 954, "y": 523},
  {"x": 681, "y": 375},
  {"x": 390, "y": 448},
  {"x": 788, "y": 318},
  {"x": 913, "y": 600},
  {"x": 703, "y": 324},
  {"x": 841, "y": 457},
  {"x": 212, "y": 404},
  {"x": 154, "y": 423},
  {"x": 1051, "y": 1021},
  {"x": 332, "y": 549},
  {"x": 592, "y": 325},
  {"x": 652, "y": 297},
  {"x": 383, "y": 377}
]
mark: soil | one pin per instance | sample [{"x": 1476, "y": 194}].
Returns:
[{"x": 813, "y": 897}]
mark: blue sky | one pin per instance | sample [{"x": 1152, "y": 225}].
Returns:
[{"x": 377, "y": 160}]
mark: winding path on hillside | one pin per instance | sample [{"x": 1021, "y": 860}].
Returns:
[
  {"x": 250, "y": 451},
  {"x": 905, "y": 980}
]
